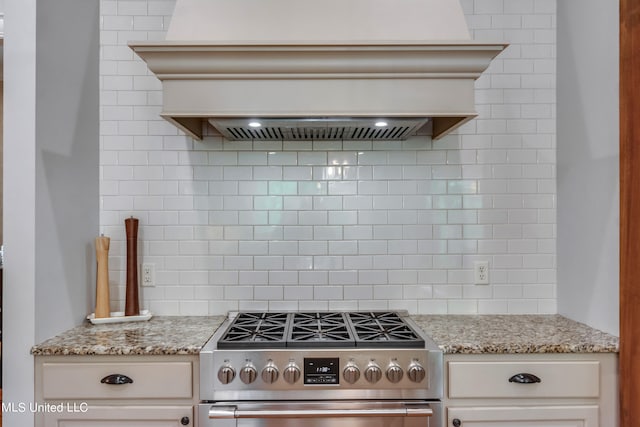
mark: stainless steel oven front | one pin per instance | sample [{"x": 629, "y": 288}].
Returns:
[
  {"x": 326, "y": 369},
  {"x": 358, "y": 413}
]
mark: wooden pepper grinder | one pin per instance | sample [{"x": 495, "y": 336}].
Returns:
[
  {"x": 132, "y": 307},
  {"x": 102, "y": 278}
]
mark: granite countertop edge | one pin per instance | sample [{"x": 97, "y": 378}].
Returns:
[
  {"x": 162, "y": 335},
  {"x": 514, "y": 334},
  {"x": 454, "y": 334}
]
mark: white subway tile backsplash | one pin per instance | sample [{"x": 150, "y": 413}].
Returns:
[
  {"x": 372, "y": 158},
  {"x": 447, "y": 202},
  {"x": 268, "y": 292},
  {"x": 506, "y": 21},
  {"x": 298, "y": 173},
  {"x": 147, "y": 203},
  {"x": 373, "y": 187},
  {"x": 205, "y": 262},
  {"x": 523, "y": 306},
  {"x": 344, "y": 277},
  {"x": 288, "y": 247},
  {"x": 254, "y": 188},
  {"x": 343, "y": 217},
  {"x": 249, "y": 158},
  {"x": 253, "y": 248},
  {"x": 242, "y": 293},
  {"x": 268, "y": 263},
  {"x": 338, "y": 224},
  {"x": 447, "y": 261},
  {"x": 342, "y": 187},
  {"x": 476, "y": 201},
  {"x": 519, "y": 6},
  {"x": 263, "y": 203},
  {"x": 192, "y": 158},
  {"x": 282, "y": 158},
  {"x": 312, "y": 188},
  {"x": 327, "y": 232}
]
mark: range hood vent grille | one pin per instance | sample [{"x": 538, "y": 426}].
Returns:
[
  {"x": 318, "y": 129},
  {"x": 355, "y": 62}
]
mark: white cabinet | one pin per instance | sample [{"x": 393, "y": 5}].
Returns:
[
  {"x": 122, "y": 416},
  {"x": 531, "y": 416},
  {"x": 116, "y": 391},
  {"x": 531, "y": 390}
]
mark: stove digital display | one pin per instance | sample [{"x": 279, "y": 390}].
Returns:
[{"x": 321, "y": 370}]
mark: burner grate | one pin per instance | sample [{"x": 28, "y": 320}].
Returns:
[
  {"x": 318, "y": 330},
  {"x": 254, "y": 330},
  {"x": 384, "y": 329}
]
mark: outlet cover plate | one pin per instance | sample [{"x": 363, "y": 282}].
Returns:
[{"x": 481, "y": 272}]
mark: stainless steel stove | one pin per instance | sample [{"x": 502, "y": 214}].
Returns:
[{"x": 320, "y": 369}]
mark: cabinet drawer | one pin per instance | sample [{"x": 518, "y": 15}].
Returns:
[
  {"x": 150, "y": 380},
  {"x": 524, "y": 416},
  {"x": 572, "y": 379},
  {"x": 121, "y": 416}
]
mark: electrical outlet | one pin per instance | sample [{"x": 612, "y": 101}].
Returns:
[
  {"x": 481, "y": 272},
  {"x": 148, "y": 274}
]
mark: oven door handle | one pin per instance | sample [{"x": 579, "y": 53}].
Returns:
[{"x": 226, "y": 412}]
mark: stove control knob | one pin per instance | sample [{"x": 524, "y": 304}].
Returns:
[
  {"x": 351, "y": 373},
  {"x": 394, "y": 372},
  {"x": 291, "y": 373},
  {"x": 226, "y": 374},
  {"x": 416, "y": 372},
  {"x": 373, "y": 373},
  {"x": 270, "y": 373},
  {"x": 248, "y": 374}
]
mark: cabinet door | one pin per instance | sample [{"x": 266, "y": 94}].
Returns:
[
  {"x": 118, "y": 416},
  {"x": 523, "y": 416}
]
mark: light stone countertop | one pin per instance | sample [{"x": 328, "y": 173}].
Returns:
[
  {"x": 162, "y": 335},
  {"x": 469, "y": 334},
  {"x": 514, "y": 334}
]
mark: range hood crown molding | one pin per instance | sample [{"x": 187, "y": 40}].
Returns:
[{"x": 206, "y": 81}]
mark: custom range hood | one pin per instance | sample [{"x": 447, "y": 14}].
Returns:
[{"x": 317, "y": 69}]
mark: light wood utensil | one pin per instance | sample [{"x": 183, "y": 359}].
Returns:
[{"x": 102, "y": 277}]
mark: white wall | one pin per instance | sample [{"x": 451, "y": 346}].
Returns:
[
  {"x": 50, "y": 178},
  {"x": 67, "y": 160},
  {"x": 338, "y": 225},
  {"x": 19, "y": 289},
  {"x": 588, "y": 155}
]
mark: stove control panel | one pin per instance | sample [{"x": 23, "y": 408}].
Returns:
[
  {"x": 321, "y": 370},
  {"x": 304, "y": 370}
]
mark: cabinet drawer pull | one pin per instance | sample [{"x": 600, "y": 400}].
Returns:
[
  {"x": 116, "y": 379},
  {"x": 525, "y": 378}
]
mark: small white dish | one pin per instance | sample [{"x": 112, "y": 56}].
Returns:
[{"x": 119, "y": 317}]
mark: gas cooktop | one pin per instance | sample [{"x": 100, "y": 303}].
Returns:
[
  {"x": 370, "y": 329},
  {"x": 311, "y": 355}
]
